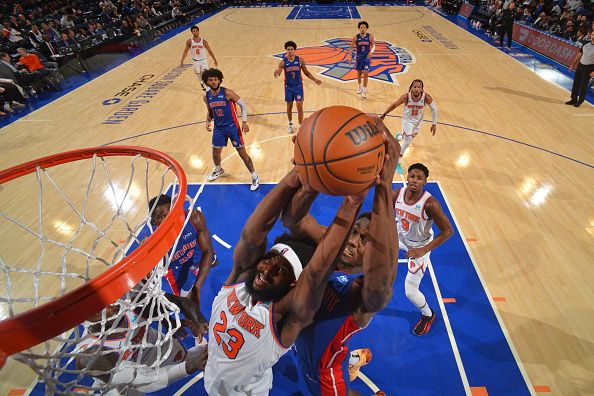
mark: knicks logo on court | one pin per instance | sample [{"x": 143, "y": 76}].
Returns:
[{"x": 387, "y": 60}]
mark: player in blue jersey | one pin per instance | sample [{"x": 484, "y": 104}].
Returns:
[
  {"x": 364, "y": 43},
  {"x": 293, "y": 66},
  {"x": 193, "y": 250},
  {"x": 221, "y": 107},
  {"x": 359, "y": 288}
]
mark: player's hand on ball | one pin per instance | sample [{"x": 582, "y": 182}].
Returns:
[
  {"x": 358, "y": 198},
  {"x": 433, "y": 129},
  {"x": 245, "y": 128}
]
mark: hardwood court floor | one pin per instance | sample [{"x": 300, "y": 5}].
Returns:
[{"x": 514, "y": 161}]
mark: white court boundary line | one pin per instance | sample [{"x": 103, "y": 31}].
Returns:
[
  {"x": 446, "y": 319},
  {"x": 188, "y": 384},
  {"x": 490, "y": 298}
]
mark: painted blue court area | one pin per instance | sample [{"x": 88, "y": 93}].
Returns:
[
  {"x": 402, "y": 363},
  {"x": 311, "y": 11}
]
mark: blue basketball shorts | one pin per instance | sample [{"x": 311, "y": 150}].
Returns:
[
  {"x": 363, "y": 64},
  {"x": 220, "y": 135},
  {"x": 294, "y": 93}
]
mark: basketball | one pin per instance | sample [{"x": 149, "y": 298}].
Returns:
[{"x": 339, "y": 150}]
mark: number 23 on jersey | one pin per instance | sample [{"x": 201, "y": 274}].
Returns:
[{"x": 236, "y": 340}]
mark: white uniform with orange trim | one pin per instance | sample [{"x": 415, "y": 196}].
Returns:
[
  {"x": 140, "y": 348},
  {"x": 414, "y": 228},
  {"x": 130, "y": 345},
  {"x": 198, "y": 53},
  {"x": 412, "y": 117},
  {"x": 242, "y": 346}
]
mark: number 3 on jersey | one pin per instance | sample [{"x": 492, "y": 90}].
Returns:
[{"x": 236, "y": 338}]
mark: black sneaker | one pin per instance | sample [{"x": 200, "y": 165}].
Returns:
[
  {"x": 571, "y": 102},
  {"x": 424, "y": 324},
  {"x": 578, "y": 104}
]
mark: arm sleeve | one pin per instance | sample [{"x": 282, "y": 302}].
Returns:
[
  {"x": 244, "y": 110},
  {"x": 433, "y": 113},
  {"x": 147, "y": 379}
]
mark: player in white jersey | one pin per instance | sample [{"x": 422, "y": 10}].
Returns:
[
  {"x": 269, "y": 296},
  {"x": 197, "y": 45},
  {"x": 416, "y": 211},
  {"x": 136, "y": 346},
  {"x": 414, "y": 102}
]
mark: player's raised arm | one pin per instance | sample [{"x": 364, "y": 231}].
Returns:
[
  {"x": 210, "y": 53},
  {"x": 381, "y": 249},
  {"x": 305, "y": 299},
  {"x": 401, "y": 100},
  {"x": 279, "y": 69},
  {"x": 205, "y": 245},
  {"x": 431, "y": 103},
  {"x": 186, "y": 49},
  {"x": 298, "y": 221},
  {"x": 307, "y": 73},
  {"x": 252, "y": 243},
  {"x": 434, "y": 211}
]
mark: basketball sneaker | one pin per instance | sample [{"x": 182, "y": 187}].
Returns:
[
  {"x": 290, "y": 128},
  {"x": 255, "y": 184},
  {"x": 399, "y": 169},
  {"x": 216, "y": 173},
  {"x": 359, "y": 90},
  {"x": 362, "y": 357},
  {"x": 424, "y": 324},
  {"x": 364, "y": 94}
]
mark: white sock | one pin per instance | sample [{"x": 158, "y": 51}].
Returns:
[
  {"x": 425, "y": 310},
  {"x": 254, "y": 175},
  {"x": 218, "y": 167}
]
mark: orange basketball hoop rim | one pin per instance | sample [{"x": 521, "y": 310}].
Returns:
[{"x": 39, "y": 324}]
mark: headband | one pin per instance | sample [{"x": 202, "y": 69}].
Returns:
[{"x": 288, "y": 253}]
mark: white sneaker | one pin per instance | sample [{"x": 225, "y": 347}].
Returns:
[
  {"x": 290, "y": 128},
  {"x": 359, "y": 90},
  {"x": 364, "y": 94},
  {"x": 255, "y": 184},
  {"x": 216, "y": 173}
]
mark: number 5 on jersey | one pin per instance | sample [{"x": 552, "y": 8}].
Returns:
[{"x": 235, "y": 337}]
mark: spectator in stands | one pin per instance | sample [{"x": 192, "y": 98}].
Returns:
[
  {"x": 46, "y": 31},
  {"x": 542, "y": 22},
  {"x": 156, "y": 9},
  {"x": 35, "y": 36},
  {"x": 127, "y": 30},
  {"x": 12, "y": 97},
  {"x": 569, "y": 32},
  {"x": 100, "y": 31},
  {"x": 67, "y": 43},
  {"x": 67, "y": 21},
  {"x": 573, "y": 5},
  {"x": 23, "y": 23},
  {"x": 177, "y": 14},
  {"x": 32, "y": 63},
  {"x": 10, "y": 71},
  {"x": 49, "y": 49}
]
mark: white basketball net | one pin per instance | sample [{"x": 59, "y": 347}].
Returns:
[{"x": 63, "y": 226}]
